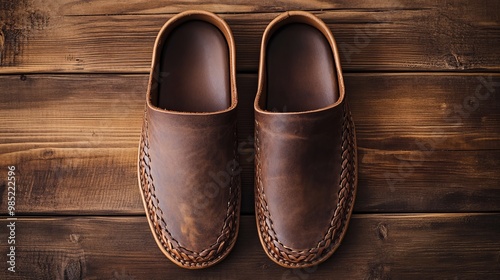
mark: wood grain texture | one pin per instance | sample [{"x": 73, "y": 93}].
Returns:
[
  {"x": 447, "y": 246},
  {"x": 423, "y": 84},
  {"x": 100, "y": 36},
  {"x": 426, "y": 112},
  {"x": 417, "y": 181},
  {"x": 74, "y": 141}
]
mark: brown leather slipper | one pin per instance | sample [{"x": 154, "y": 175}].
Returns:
[
  {"x": 189, "y": 141},
  {"x": 306, "y": 160}
]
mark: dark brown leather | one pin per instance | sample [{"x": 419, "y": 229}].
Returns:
[
  {"x": 306, "y": 167},
  {"x": 188, "y": 169},
  {"x": 195, "y": 63},
  {"x": 300, "y": 70}
]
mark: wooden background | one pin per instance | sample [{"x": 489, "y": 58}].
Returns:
[{"x": 423, "y": 80}]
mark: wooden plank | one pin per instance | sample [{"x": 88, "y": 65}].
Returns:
[
  {"x": 103, "y": 181},
  {"x": 447, "y": 246},
  {"x": 391, "y": 111},
  {"x": 73, "y": 139},
  {"x": 100, "y": 36},
  {"x": 422, "y": 181},
  {"x": 425, "y": 112},
  {"x": 103, "y": 7}
]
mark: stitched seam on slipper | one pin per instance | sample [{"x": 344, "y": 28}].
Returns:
[
  {"x": 293, "y": 257},
  {"x": 181, "y": 254}
]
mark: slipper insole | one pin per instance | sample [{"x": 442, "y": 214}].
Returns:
[
  {"x": 300, "y": 70},
  {"x": 194, "y": 69}
]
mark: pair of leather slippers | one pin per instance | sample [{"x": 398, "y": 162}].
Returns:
[{"x": 305, "y": 144}]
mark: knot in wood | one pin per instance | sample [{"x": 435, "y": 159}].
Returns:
[{"x": 382, "y": 231}]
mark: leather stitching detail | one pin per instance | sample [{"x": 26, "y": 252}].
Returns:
[
  {"x": 298, "y": 258},
  {"x": 182, "y": 255}
]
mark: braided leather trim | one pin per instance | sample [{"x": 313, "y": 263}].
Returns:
[
  {"x": 297, "y": 258},
  {"x": 182, "y": 255}
]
